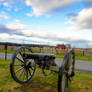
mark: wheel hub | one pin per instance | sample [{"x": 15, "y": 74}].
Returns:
[{"x": 28, "y": 65}]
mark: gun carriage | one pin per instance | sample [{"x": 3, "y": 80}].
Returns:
[{"x": 24, "y": 63}]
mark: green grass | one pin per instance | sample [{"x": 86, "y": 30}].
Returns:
[
  {"x": 82, "y": 82},
  {"x": 60, "y": 56},
  {"x": 85, "y": 58},
  {"x": 8, "y": 51}
]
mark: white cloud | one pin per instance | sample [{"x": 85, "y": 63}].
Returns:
[
  {"x": 17, "y": 25},
  {"x": 56, "y": 38},
  {"x": 30, "y": 14},
  {"x": 43, "y": 6},
  {"x": 28, "y": 2},
  {"x": 82, "y": 21},
  {"x": 26, "y": 32},
  {"x": 41, "y": 37},
  {"x": 4, "y": 36},
  {"x": 5, "y": 4},
  {"x": 3, "y": 15}
]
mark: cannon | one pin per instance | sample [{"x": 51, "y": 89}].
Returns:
[{"x": 24, "y": 63}]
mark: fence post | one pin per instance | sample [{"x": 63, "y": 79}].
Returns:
[
  {"x": 83, "y": 54},
  {"x": 57, "y": 51},
  {"x": 6, "y": 51}
]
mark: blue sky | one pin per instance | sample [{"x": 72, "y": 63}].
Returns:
[{"x": 46, "y": 22}]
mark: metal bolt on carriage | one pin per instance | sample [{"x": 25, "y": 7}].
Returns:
[{"x": 24, "y": 63}]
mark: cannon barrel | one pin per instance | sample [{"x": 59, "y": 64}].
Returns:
[{"x": 39, "y": 56}]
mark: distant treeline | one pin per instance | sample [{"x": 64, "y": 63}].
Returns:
[{"x": 17, "y": 44}]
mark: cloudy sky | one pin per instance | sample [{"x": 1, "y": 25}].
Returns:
[{"x": 46, "y": 22}]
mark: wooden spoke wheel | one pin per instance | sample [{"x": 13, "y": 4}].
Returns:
[
  {"x": 22, "y": 69},
  {"x": 66, "y": 72},
  {"x": 63, "y": 82}
]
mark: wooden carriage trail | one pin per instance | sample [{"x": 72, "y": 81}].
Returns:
[{"x": 80, "y": 65}]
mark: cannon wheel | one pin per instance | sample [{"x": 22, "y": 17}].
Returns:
[
  {"x": 22, "y": 69},
  {"x": 66, "y": 72}
]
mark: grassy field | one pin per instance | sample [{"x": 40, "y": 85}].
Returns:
[
  {"x": 8, "y": 51},
  {"x": 82, "y": 82},
  {"x": 77, "y": 57}
]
